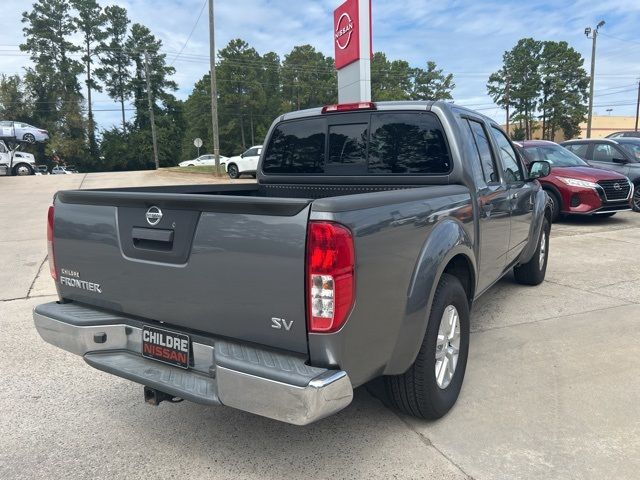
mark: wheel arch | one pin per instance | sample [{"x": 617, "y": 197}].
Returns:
[{"x": 448, "y": 249}]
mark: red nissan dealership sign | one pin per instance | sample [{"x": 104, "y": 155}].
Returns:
[{"x": 346, "y": 27}]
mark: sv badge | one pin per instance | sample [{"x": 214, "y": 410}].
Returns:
[{"x": 280, "y": 323}]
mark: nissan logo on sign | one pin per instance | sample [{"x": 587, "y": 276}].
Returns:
[
  {"x": 346, "y": 29},
  {"x": 153, "y": 216}
]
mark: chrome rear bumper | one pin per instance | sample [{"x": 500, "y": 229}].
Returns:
[{"x": 262, "y": 382}]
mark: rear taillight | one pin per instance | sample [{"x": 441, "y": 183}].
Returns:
[
  {"x": 330, "y": 276},
  {"x": 51, "y": 257},
  {"x": 346, "y": 107}
]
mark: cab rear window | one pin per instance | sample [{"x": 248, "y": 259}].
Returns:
[{"x": 389, "y": 143}]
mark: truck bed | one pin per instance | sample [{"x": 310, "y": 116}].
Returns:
[{"x": 223, "y": 260}]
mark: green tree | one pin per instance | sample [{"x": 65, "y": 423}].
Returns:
[
  {"x": 15, "y": 101},
  {"x": 390, "y": 80},
  {"x": 115, "y": 61},
  {"x": 140, "y": 43},
  {"x": 308, "y": 79},
  {"x": 197, "y": 119},
  {"x": 564, "y": 90},
  {"x": 52, "y": 81},
  {"x": 432, "y": 83},
  {"x": 90, "y": 22},
  {"x": 518, "y": 82},
  {"x": 397, "y": 80},
  {"x": 241, "y": 94}
]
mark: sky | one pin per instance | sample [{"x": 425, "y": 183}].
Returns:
[{"x": 464, "y": 37}]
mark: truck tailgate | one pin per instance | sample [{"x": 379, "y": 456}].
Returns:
[{"x": 214, "y": 264}]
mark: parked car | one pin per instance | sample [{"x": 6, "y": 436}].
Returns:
[
  {"x": 573, "y": 186},
  {"x": 244, "y": 163},
  {"x": 61, "y": 170},
  {"x": 368, "y": 272},
  {"x": 621, "y": 155},
  {"x": 624, "y": 134},
  {"x": 42, "y": 170},
  {"x": 16, "y": 163},
  {"x": 208, "y": 159},
  {"x": 23, "y": 132}
]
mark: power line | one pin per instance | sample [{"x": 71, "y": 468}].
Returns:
[{"x": 190, "y": 34}]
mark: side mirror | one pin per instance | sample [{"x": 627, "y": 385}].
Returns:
[
  {"x": 242, "y": 155},
  {"x": 620, "y": 160},
  {"x": 539, "y": 169}
]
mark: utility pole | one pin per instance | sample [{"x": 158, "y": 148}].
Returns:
[
  {"x": 151, "y": 116},
  {"x": 594, "y": 36},
  {"x": 638, "y": 106},
  {"x": 214, "y": 89},
  {"x": 506, "y": 95}
]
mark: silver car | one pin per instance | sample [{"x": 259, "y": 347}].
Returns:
[{"x": 23, "y": 131}]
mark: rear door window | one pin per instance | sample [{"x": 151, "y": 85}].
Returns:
[
  {"x": 579, "y": 149},
  {"x": 603, "y": 152},
  {"x": 407, "y": 143}
]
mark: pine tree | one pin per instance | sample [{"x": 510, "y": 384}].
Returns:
[
  {"x": 53, "y": 79},
  {"x": 139, "y": 42},
  {"x": 90, "y": 22},
  {"x": 115, "y": 61}
]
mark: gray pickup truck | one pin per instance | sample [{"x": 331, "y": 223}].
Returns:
[{"x": 356, "y": 256}]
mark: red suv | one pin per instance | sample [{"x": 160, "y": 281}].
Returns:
[{"x": 573, "y": 186}]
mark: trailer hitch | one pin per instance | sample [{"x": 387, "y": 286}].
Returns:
[{"x": 154, "y": 397}]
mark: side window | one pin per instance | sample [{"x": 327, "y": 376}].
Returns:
[
  {"x": 488, "y": 163},
  {"x": 511, "y": 165},
  {"x": 579, "y": 149},
  {"x": 603, "y": 153},
  {"x": 3, "y": 149}
]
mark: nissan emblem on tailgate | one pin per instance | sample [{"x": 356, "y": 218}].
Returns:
[{"x": 153, "y": 215}]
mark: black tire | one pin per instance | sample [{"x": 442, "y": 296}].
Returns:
[
  {"x": 416, "y": 392},
  {"x": 555, "y": 203},
  {"x": 29, "y": 138},
  {"x": 232, "y": 171},
  {"x": 533, "y": 272},
  {"x": 22, "y": 169},
  {"x": 636, "y": 198}
]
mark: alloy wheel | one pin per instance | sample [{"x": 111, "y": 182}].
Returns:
[
  {"x": 447, "y": 346},
  {"x": 543, "y": 250}
]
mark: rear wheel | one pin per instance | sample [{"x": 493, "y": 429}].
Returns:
[
  {"x": 636, "y": 198},
  {"x": 22, "y": 169},
  {"x": 232, "y": 170},
  {"x": 555, "y": 204},
  {"x": 534, "y": 271},
  {"x": 29, "y": 138},
  {"x": 430, "y": 387}
]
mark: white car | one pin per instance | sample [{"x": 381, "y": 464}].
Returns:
[
  {"x": 22, "y": 163},
  {"x": 245, "y": 163},
  {"x": 208, "y": 159},
  {"x": 61, "y": 170}
]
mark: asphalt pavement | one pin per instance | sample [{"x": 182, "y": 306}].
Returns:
[{"x": 552, "y": 389}]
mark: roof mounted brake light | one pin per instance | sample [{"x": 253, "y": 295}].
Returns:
[{"x": 347, "y": 107}]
